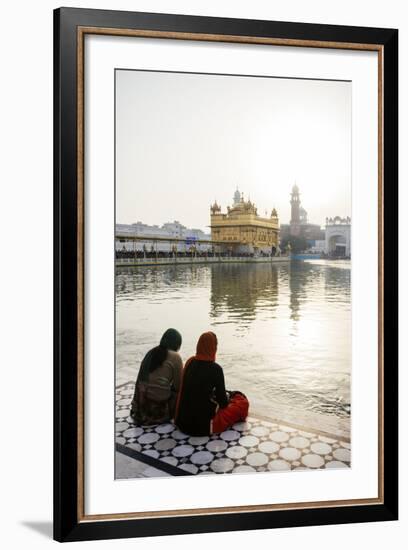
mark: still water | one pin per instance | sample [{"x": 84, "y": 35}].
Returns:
[{"x": 284, "y": 330}]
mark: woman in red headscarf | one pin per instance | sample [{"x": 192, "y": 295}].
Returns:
[{"x": 203, "y": 405}]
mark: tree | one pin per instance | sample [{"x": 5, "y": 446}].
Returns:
[{"x": 297, "y": 244}]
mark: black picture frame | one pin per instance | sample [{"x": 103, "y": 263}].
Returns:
[{"x": 68, "y": 524}]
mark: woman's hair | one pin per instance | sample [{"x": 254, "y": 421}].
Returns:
[
  {"x": 157, "y": 357},
  {"x": 171, "y": 339}
]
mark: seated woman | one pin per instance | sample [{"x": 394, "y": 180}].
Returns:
[
  {"x": 203, "y": 406},
  {"x": 158, "y": 382}
]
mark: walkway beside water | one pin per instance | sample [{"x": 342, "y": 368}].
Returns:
[
  {"x": 257, "y": 445},
  {"x": 200, "y": 260}
]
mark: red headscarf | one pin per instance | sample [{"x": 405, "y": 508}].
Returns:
[
  {"x": 206, "y": 347},
  {"x": 206, "y": 351}
]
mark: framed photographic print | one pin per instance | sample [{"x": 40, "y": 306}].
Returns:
[{"x": 225, "y": 274}]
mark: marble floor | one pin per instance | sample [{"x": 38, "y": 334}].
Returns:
[{"x": 256, "y": 445}]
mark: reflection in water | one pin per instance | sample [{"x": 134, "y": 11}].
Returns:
[
  {"x": 284, "y": 330},
  {"x": 243, "y": 290},
  {"x": 298, "y": 281}
]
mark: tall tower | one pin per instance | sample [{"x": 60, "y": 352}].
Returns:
[
  {"x": 295, "y": 211},
  {"x": 295, "y": 205}
]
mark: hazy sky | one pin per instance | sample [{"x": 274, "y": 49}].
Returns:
[{"x": 184, "y": 140}]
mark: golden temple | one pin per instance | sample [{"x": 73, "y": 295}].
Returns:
[{"x": 242, "y": 230}]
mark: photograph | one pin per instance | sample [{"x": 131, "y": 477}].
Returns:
[
  {"x": 225, "y": 270},
  {"x": 233, "y": 261},
  {"x": 210, "y": 341}
]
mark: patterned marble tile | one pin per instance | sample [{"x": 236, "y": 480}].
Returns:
[{"x": 256, "y": 445}]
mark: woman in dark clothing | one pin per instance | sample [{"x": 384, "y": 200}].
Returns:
[
  {"x": 158, "y": 382},
  {"x": 203, "y": 405}
]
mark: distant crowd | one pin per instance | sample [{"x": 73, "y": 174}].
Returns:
[{"x": 141, "y": 254}]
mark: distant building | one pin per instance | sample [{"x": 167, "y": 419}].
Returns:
[
  {"x": 242, "y": 230},
  {"x": 170, "y": 230},
  {"x": 338, "y": 237},
  {"x": 299, "y": 225}
]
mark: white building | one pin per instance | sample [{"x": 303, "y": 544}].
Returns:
[
  {"x": 338, "y": 237},
  {"x": 170, "y": 230}
]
